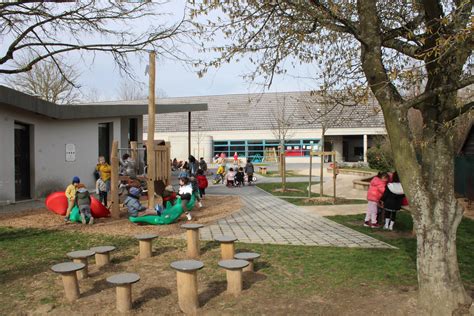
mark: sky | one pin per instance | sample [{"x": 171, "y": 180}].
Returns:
[
  {"x": 176, "y": 79},
  {"x": 100, "y": 78}
]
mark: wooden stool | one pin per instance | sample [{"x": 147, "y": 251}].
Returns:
[
  {"x": 227, "y": 246},
  {"x": 186, "y": 278},
  {"x": 192, "y": 237},
  {"x": 248, "y": 256},
  {"x": 81, "y": 256},
  {"x": 123, "y": 284},
  {"x": 102, "y": 255},
  {"x": 68, "y": 274},
  {"x": 233, "y": 269},
  {"x": 144, "y": 242}
]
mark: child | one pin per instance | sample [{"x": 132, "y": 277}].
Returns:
[
  {"x": 105, "y": 171},
  {"x": 195, "y": 186},
  {"x": 71, "y": 196},
  {"x": 135, "y": 208},
  {"x": 185, "y": 191},
  {"x": 249, "y": 170},
  {"x": 374, "y": 194},
  {"x": 392, "y": 201},
  {"x": 83, "y": 201},
  {"x": 230, "y": 177},
  {"x": 101, "y": 190},
  {"x": 220, "y": 173},
  {"x": 202, "y": 183},
  {"x": 239, "y": 177},
  {"x": 184, "y": 172},
  {"x": 169, "y": 195}
]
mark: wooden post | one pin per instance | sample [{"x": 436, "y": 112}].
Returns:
[
  {"x": 321, "y": 189},
  {"x": 283, "y": 168},
  {"x": 71, "y": 287},
  {"x": 234, "y": 281},
  {"x": 151, "y": 134},
  {"x": 227, "y": 250},
  {"x": 134, "y": 151},
  {"x": 124, "y": 297},
  {"x": 310, "y": 171},
  {"x": 187, "y": 291},
  {"x": 189, "y": 134},
  {"x": 146, "y": 249},
  {"x": 84, "y": 273},
  {"x": 334, "y": 175},
  {"x": 192, "y": 236},
  {"x": 114, "y": 180}
]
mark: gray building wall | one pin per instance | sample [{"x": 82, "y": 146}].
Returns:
[{"x": 49, "y": 170}]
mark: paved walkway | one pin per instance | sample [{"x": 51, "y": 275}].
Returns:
[{"x": 270, "y": 220}]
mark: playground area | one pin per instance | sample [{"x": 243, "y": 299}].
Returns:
[{"x": 216, "y": 207}]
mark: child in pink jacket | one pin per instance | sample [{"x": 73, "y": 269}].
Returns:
[{"x": 374, "y": 194}]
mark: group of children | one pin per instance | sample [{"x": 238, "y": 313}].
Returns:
[
  {"x": 235, "y": 178},
  {"x": 385, "y": 198}
]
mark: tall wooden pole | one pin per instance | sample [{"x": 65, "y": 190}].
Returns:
[
  {"x": 310, "y": 170},
  {"x": 321, "y": 190},
  {"x": 151, "y": 134},
  {"x": 114, "y": 176},
  {"x": 189, "y": 134}
]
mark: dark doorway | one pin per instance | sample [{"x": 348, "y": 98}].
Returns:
[
  {"x": 22, "y": 162},
  {"x": 345, "y": 150},
  {"x": 105, "y": 135},
  {"x": 133, "y": 130}
]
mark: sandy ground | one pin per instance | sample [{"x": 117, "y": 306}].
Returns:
[{"x": 215, "y": 207}]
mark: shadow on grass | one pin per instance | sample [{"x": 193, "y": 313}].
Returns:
[
  {"x": 211, "y": 245},
  {"x": 119, "y": 259},
  {"x": 260, "y": 265},
  {"x": 212, "y": 290},
  {"x": 150, "y": 294},
  {"x": 161, "y": 250},
  {"x": 98, "y": 287},
  {"x": 250, "y": 278}
]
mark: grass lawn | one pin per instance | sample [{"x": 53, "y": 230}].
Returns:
[
  {"x": 275, "y": 174},
  {"x": 407, "y": 243},
  {"x": 299, "y": 192}
]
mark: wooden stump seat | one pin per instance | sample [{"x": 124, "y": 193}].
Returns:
[
  {"x": 233, "y": 269},
  {"x": 81, "y": 256},
  {"x": 102, "y": 254},
  {"x": 186, "y": 278},
  {"x": 123, "y": 284},
  {"x": 248, "y": 256},
  {"x": 68, "y": 274},
  {"x": 192, "y": 237},
  {"x": 227, "y": 246},
  {"x": 144, "y": 242}
]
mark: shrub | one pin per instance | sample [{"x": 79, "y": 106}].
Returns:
[{"x": 380, "y": 156}]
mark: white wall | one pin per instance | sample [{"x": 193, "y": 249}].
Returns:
[
  {"x": 179, "y": 140},
  {"x": 50, "y": 171}
]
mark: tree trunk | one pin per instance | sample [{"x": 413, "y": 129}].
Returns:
[{"x": 437, "y": 218}]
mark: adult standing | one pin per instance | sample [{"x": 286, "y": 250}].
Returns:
[
  {"x": 236, "y": 158},
  {"x": 105, "y": 172},
  {"x": 249, "y": 170},
  {"x": 193, "y": 166},
  {"x": 203, "y": 165}
]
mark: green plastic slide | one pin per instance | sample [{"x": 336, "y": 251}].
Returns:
[
  {"x": 169, "y": 215},
  {"x": 75, "y": 215}
]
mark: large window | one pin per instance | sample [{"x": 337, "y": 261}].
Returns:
[{"x": 256, "y": 148}]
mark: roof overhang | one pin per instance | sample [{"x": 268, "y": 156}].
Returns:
[{"x": 36, "y": 105}]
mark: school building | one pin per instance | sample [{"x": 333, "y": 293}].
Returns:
[
  {"x": 43, "y": 145},
  {"x": 248, "y": 124}
]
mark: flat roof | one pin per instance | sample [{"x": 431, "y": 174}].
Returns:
[{"x": 33, "y": 104}]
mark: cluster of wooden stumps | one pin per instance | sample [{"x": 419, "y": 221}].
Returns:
[{"x": 186, "y": 270}]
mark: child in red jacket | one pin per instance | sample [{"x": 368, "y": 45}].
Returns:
[
  {"x": 374, "y": 194},
  {"x": 202, "y": 183}
]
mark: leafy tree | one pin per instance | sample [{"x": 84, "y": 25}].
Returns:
[
  {"x": 380, "y": 156},
  {"x": 377, "y": 44}
]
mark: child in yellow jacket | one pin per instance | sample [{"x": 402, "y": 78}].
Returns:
[{"x": 71, "y": 196}]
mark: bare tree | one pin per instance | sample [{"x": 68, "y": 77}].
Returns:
[
  {"x": 282, "y": 122},
  {"x": 371, "y": 42},
  {"x": 132, "y": 90},
  {"x": 47, "y": 82},
  {"x": 45, "y": 30}
]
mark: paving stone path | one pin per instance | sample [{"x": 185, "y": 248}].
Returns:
[{"x": 270, "y": 220}]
